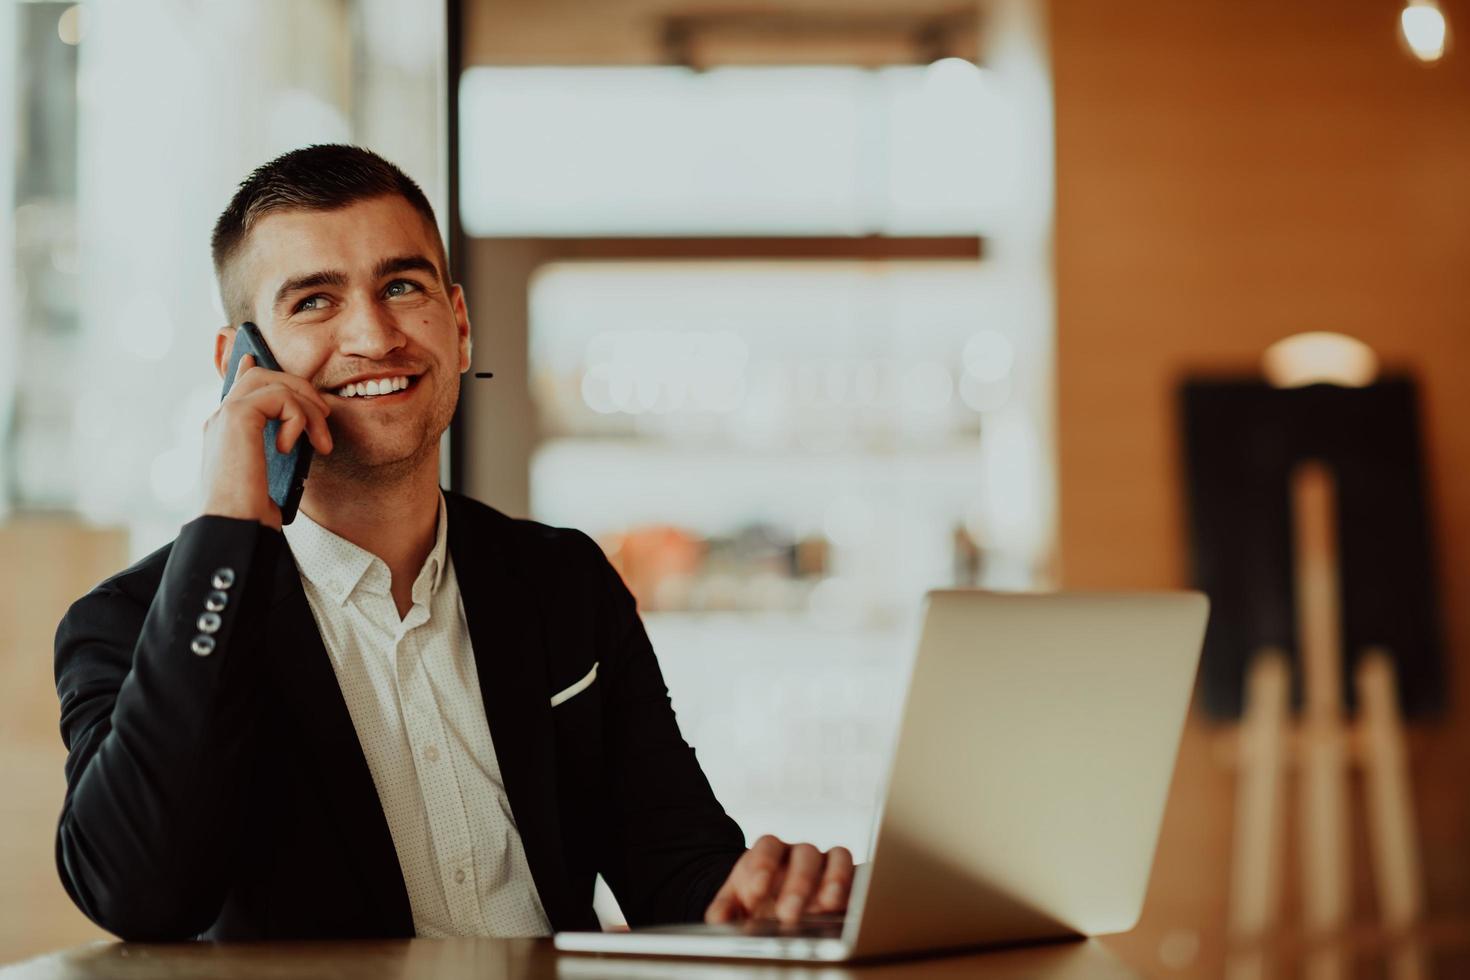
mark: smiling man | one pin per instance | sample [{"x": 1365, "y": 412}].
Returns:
[{"x": 404, "y": 713}]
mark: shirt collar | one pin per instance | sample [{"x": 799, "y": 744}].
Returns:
[
  {"x": 439, "y": 554},
  {"x": 336, "y": 566}
]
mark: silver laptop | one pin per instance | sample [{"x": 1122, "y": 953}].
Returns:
[{"x": 1027, "y": 785}]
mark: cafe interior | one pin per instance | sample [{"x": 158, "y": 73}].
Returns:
[{"x": 802, "y": 308}]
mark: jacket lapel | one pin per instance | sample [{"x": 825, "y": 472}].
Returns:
[
  {"x": 309, "y": 685},
  {"x": 509, "y": 648}
]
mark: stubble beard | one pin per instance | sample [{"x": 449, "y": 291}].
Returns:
[{"x": 348, "y": 464}]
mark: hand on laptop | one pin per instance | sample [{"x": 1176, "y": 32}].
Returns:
[{"x": 775, "y": 879}]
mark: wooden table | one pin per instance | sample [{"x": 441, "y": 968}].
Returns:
[
  {"x": 521, "y": 959},
  {"x": 1440, "y": 951}
]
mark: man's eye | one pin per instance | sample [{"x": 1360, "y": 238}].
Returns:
[
  {"x": 408, "y": 284},
  {"x": 305, "y": 305}
]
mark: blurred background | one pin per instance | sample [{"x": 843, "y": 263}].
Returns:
[{"x": 799, "y": 307}]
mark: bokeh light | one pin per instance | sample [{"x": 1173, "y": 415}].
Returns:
[
  {"x": 1424, "y": 29},
  {"x": 70, "y": 26},
  {"x": 1320, "y": 357}
]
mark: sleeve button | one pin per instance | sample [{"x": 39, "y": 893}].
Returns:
[
  {"x": 203, "y": 645},
  {"x": 224, "y": 578},
  {"x": 216, "y": 601},
  {"x": 208, "y": 622}
]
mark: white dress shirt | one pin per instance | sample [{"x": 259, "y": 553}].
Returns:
[{"x": 413, "y": 691}]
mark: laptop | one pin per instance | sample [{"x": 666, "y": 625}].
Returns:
[{"x": 1026, "y": 788}]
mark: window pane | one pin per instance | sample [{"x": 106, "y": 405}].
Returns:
[
  {"x": 780, "y": 458},
  {"x": 800, "y": 150}
]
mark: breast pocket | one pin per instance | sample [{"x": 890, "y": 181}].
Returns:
[
  {"x": 572, "y": 690},
  {"x": 577, "y": 712}
]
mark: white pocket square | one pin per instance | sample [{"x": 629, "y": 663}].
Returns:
[{"x": 576, "y": 688}]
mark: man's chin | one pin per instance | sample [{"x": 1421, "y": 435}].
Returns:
[{"x": 377, "y": 460}]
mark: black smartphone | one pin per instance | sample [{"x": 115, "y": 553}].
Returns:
[{"x": 285, "y": 473}]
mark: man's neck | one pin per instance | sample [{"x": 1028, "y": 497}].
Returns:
[{"x": 394, "y": 519}]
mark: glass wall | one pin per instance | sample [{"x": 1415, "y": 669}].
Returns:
[
  {"x": 780, "y": 455},
  {"x": 135, "y": 122},
  {"x": 781, "y": 458}
]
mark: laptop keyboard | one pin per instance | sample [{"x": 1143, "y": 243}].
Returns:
[{"x": 827, "y": 926}]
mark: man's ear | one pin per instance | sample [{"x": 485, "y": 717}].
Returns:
[
  {"x": 462, "y": 324},
  {"x": 224, "y": 342}
]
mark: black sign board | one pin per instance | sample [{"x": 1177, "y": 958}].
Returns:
[{"x": 1242, "y": 440}]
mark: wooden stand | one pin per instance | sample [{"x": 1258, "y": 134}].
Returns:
[{"x": 1320, "y": 748}]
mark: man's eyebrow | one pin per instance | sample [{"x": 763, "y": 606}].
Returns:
[
  {"x": 405, "y": 263},
  {"x": 327, "y": 277}
]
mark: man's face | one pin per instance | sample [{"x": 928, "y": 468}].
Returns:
[{"x": 354, "y": 295}]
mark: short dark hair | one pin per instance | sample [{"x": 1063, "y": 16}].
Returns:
[{"x": 322, "y": 177}]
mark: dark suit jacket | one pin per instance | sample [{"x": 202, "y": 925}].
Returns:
[{"x": 226, "y": 795}]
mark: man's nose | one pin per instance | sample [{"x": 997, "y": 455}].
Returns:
[{"x": 369, "y": 330}]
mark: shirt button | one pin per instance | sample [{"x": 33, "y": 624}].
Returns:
[
  {"x": 459, "y": 876},
  {"x": 208, "y": 622},
  {"x": 203, "y": 645},
  {"x": 223, "y": 578},
  {"x": 432, "y": 754},
  {"x": 216, "y": 601}
]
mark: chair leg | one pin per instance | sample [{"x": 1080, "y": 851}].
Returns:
[
  {"x": 1256, "y": 871},
  {"x": 1392, "y": 839}
]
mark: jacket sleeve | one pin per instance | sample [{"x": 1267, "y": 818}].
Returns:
[
  {"x": 674, "y": 844},
  {"x": 157, "y": 719}
]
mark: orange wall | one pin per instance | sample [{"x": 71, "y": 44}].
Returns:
[{"x": 1230, "y": 172}]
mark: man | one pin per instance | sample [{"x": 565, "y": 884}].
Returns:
[{"x": 404, "y": 713}]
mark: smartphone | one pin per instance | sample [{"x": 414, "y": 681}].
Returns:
[{"x": 285, "y": 473}]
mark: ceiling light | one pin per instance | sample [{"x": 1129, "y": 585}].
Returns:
[
  {"x": 1424, "y": 29},
  {"x": 1320, "y": 358}
]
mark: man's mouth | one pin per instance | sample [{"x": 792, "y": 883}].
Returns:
[{"x": 376, "y": 388}]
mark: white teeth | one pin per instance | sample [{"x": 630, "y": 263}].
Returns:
[{"x": 377, "y": 386}]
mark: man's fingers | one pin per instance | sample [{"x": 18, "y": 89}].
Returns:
[
  {"x": 310, "y": 390},
  {"x": 321, "y": 435},
  {"x": 723, "y": 908},
  {"x": 295, "y": 414},
  {"x": 836, "y": 885},
  {"x": 303, "y": 389},
  {"x": 247, "y": 361},
  {"x": 298, "y": 417},
  {"x": 770, "y": 848},
  {"x": 783, "y": 880},
  {"x": 762, "y": 863},
  {"x": 803, "y": 871},
  {"x": 250, "y": 377},
  {"x": 289, "y": 432}
]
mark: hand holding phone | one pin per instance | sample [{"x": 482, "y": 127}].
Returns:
[{"x": 257, "y": 444}]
